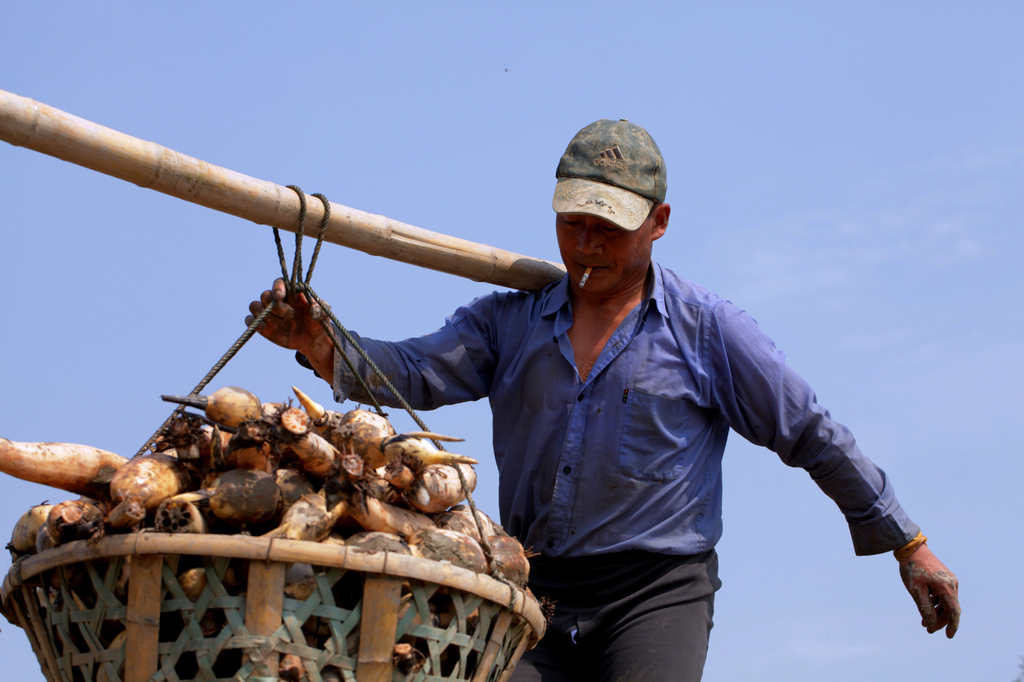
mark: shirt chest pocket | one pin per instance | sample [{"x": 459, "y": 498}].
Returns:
[{"x": 655, "y": 433}]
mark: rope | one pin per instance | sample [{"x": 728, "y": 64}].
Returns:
[
  {"x": 280, "y": 255},
  {"x": 251, "y": 329},
  {"x": 217, "y": 367},
  {"x": 362, "y": 354},
  {"x": 294, "y": 285},
  {"x": 297, "y": 260},
  {"x": 320, "y": 237},
  {"x": 484, "y": 544}
]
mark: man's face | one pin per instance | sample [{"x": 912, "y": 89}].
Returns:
[{"x": 619, "y": 258}]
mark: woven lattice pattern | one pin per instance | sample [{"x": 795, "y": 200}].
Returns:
[
  {"x": 203, "y": 634},
  {"x": 204, "y": 639},
  {"x": 450, "y": 627},
  {"x": 83, "y": 606}
]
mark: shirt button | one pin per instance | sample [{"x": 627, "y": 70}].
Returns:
[
  {"x": 579, "y": 397},
  {"x": 567, "y": 470}
]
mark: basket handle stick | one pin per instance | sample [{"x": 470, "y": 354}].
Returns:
[
  {"x": 33, "y": 125},
  {"x": 493, "y": 646},
  {"x": 141, "y": 648},
  {"x": 264, "y": 616},
  {"x": 378, "y": 623}
]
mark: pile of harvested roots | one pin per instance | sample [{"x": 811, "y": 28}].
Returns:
[{"x": 269, "y": 469}]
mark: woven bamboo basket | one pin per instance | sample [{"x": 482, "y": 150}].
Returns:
[{"x": 85, "y": 621}]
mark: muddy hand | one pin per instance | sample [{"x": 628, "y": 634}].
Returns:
[
  {"x": 934, "y": 589},
  {"x": 293, "y": 322}
]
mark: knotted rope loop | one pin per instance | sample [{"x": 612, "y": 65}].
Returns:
[{"x": 293, "y": 280}]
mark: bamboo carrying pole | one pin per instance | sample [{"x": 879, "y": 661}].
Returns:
[{"x": 33, "y": 125}]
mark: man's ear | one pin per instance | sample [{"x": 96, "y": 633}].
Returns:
[{"x": 660, "y": 226}]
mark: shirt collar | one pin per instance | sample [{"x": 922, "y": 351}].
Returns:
[
  {"x": 556, "y": 297},
  {"x": 657, "y": 294}
]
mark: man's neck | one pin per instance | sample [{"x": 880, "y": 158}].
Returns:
[{"x": 595, "y": 319}]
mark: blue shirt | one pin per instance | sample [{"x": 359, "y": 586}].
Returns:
[{"x": 631, "y": 458}]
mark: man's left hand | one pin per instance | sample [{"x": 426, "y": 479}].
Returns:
[{"x": 934, "y": 589}]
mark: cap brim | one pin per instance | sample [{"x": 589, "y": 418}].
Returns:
[{"x": 616, "y": 205}]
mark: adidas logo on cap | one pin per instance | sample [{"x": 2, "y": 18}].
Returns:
[{"x": 611, "y": 158}]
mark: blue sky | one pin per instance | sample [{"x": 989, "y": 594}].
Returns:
[{"x": 850, "y": 173}]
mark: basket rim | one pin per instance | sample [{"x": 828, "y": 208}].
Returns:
[{"x": 281, "y": 550}]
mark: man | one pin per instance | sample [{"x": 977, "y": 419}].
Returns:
[{"x": 612, "y": 392}]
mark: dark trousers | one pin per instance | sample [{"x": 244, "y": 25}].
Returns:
[{"x": 626, "y": 617}]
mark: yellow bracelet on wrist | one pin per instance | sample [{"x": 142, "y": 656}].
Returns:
[{"x": 906, "y": 550}]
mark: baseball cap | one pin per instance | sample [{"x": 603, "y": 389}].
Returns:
[{"x": 613, "y": 170}]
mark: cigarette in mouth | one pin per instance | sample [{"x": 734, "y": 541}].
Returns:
[{"x": 586, "y": 275}]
